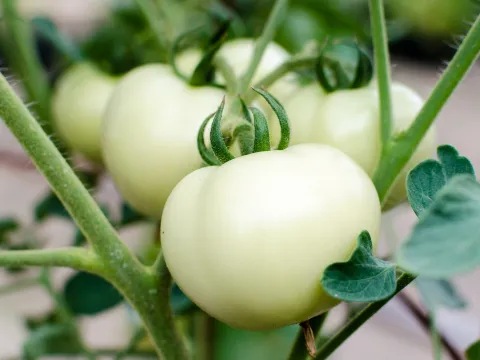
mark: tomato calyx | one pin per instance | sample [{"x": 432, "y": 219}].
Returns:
[
  {"x": 343, "y": 64},
  {"x": 255, "y": 120}
]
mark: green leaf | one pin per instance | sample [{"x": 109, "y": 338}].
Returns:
[
  {"x": 439, "y": 294},
  {"x": 445, "y": 241},
  {"x": 427, "y": 178},
  {"x": 51, "y": 339},
  {"x": 473, "y": 352},
  {"x": 50, "y": 205},
  {"x": 88, "y": 294},
  {"x": 363, "y": 278}
]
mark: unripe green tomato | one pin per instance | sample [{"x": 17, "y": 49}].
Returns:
[
  {"x": 149, "y": 134},
  {"x": 78, "y": 104},
  {"x": 350, "y": 121},
  {"x": 249, "y": 241}
]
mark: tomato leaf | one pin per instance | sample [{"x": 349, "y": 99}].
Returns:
[
  {"x": 88, "y": 294},
  {"x": 473, "y": 352},
  {"x": 445, "y": 241},
  {"x": 437, "y": 293},
  {"x": 51, "y": 339},
  {"x": 426, "y": 179},
  {"x": 363, "y": 278}
]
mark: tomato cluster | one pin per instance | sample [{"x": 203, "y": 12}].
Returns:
[{"x": 247, "y": 240}]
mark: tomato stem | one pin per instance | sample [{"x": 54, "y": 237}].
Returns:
[
  {"x": 228, "y": 73},
  {"x": 273, "y": 22},
  {"x": 399, "y": 150},
  {"x": 382, "y": 65},
  {"x": 288, "y": 66},
  {"x": 23, "y": 57},
  {"x": 148, "y": 293},
  {"x": 75, "y": 258}
]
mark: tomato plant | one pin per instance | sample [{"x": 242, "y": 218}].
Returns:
[{"x": 262, "y": 175}]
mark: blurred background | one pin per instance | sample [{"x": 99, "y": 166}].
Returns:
[{"x": 423, "y": 35}]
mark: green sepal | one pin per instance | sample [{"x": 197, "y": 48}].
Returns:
[
  {"x": 282, "y": 117},
  {"x": 262, "y": 137},
  {"x": 343, "y": 64},
  {"x": 205, "y": 153},
  {"x": 219, "y": 147}
]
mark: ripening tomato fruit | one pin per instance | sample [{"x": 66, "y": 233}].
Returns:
[
  {"x": 78, "y": 104},
  {"x": 149, "y": 134},
  {"x": 248, "y": 241}
]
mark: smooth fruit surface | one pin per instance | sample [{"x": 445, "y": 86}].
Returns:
[
  {"x": 248, "y": 241},
  {"x": 149, "y": 134},
  {"x": 78, "y": 104}
]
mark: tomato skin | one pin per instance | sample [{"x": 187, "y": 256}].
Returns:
[
  {"x": 78, "y": 103},
  {"x": 349, "y": 120},
  {"x": 149, "y": 134},
  {"x": 248, "y": 241}
]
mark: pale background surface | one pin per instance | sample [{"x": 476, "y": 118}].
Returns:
[{"x": 391, "y": 334}]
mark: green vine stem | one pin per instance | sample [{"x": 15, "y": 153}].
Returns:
[
  {"x": 228, "y": 74},
  {"x": 75, "y": 258},
  {"x": 63, "y": 311},
  {"x": 120, "y": 266},
  {"x": 24, "y": 58},
  {"x": 353, "y": 324},
  {"x": 295, "y": 63},
  {"x": 382, "y": 65},
  {"x": 400, "y": 149},
  {"x": 267, "y": 36}
]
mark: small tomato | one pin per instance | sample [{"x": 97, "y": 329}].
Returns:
[
  {"x": 248, "y": 241},
  {"x": 78, "y": 103}
]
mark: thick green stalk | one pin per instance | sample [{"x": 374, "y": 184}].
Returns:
[
  {"x": 267, "y": 36},
  {"x": 382, "y": 66},
  {"x": 75, "y": 258},
  {"x": 356, "y": 322},
  {"x": 24, "y": 59},
  {"x": 121, "y": 267},
  {"x": 400, "y": 150}
]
